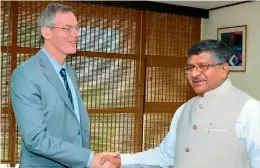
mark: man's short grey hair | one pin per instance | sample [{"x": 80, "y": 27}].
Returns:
[
  {"x": 219, "y": 50},
  {"x": 48, "y": 15}
]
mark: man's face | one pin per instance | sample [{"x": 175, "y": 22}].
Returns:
[
  {"x": 209, "y": 78},
  {"x": 64, "y": 34}
]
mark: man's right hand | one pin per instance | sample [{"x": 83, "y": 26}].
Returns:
[
  {"x": 96, "y": 162},
  {"x": 115, "y": 160}
]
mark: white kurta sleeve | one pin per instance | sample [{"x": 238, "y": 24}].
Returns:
[
  {"x": 163, "y": 155},
  {"x": 250, "y": 130}
]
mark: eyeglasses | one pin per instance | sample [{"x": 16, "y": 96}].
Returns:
[
  {"x": 68, "y": 29},
  {"x": 200, "y": 68}
]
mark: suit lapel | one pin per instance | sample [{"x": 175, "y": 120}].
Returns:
[
  {"x": 72, "y": 77},
  {"x": 52, "y": 76},
  {"x": 82, "y": 108}
]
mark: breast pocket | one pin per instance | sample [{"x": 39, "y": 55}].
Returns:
[{"x": 216, "y": 134}]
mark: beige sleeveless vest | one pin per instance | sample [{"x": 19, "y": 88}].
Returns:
[{"x": 206, "y": 131}]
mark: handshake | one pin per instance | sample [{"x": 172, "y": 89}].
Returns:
[{"x": 106, "y": 160}]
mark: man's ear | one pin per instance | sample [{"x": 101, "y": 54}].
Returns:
[
  {"x": 225, "y": 70},
  {"x": 46, "y": 33}
]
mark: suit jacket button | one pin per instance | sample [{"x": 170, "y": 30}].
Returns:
[
  {"x": 187, "y": 149},
  {"x": 194, "y": 127},
  {"x": 78, "y": 132}
]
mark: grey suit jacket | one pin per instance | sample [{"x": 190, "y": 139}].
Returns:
[{"x": 51, "y": 133}]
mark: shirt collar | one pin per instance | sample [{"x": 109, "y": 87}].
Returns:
[
  {"x": 225, "y": 86},
  {"x": 54, "y": 63}
]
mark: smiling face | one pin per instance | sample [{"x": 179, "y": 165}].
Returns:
[
  {"x": 209, "y": 79},
  {"x": 61, "y": 39}
]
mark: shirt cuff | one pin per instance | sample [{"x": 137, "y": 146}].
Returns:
[
  {"x": 128, "y": 159},
  {"x": 90, "y": 158}
]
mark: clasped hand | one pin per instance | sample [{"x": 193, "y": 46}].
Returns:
[{"x": 106, "y": 160}]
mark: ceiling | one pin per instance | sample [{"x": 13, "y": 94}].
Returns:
[{"x": 204, "y": 4}]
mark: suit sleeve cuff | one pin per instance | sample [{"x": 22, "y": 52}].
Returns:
[{"x": 90, "y": 158}]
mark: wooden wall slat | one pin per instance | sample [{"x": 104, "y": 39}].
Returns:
[{"x": 169, "y": 37}]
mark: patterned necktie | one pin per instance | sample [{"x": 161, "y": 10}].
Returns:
[{"x": 64, "y": 77}]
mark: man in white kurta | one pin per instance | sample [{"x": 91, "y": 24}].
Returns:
[{"x": 219, "y": 128}]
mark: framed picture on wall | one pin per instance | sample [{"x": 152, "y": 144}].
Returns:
[{"x": 235, "y": 38}]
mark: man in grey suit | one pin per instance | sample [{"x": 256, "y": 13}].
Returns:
[{"x": 48, "y": 108}]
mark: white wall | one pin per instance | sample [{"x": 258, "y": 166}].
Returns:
[{"x": 242, "y": 14}]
